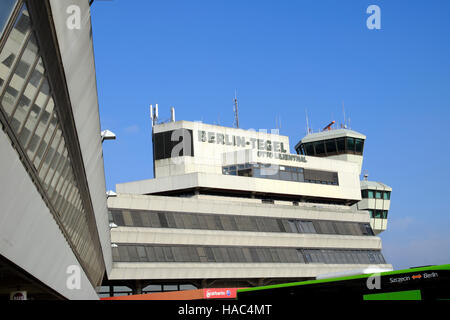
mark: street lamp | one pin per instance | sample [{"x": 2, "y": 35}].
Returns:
[{"x": 107, "y": 135}]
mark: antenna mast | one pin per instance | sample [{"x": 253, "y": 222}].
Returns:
[
  {"x": 345, "y": 119},
  {"x": 154, "y": 115},
  {"x": 307, "y": 121},
  {"x": 151, "y": 115},
  {"x": 236, "y": 113}
]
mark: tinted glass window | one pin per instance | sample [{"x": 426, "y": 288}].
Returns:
[
  {"x": 331, "y": 146},
  {"x": 286, "y": 175},
  {"x": 309, "y": 149},
  {"x": 320, "y": 148},
  {"x": 359, "y": 143},
  {"x": 321, "y": 176},
  {"x": 306, "y": 227},
  {"x": 350, "y": 144},
  {"x": 183, "y": 220},
  {"x": 301, "y": 150},
  {"x": 367, "y": 229},
  {"x": 144, "y": 253},
  {"x": 340, "y": 145},
  {"x": 292, "y": 227}
]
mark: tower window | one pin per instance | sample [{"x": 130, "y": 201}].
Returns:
[
  {"x": 340, "y": 145},
  {"x": 359, "y": 144},
  {"x": 320, "y": 148},
  {"x": 309, "y": 149},
  {"x": 331, "y": 146},
  {"x": 375, "y": 194},
  {"x": 351, "y": 145}
]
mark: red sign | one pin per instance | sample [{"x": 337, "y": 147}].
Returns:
[{"x": 219, "y": 293}]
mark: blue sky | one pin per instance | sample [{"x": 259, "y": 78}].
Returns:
[{"x": 283, "y": 57}]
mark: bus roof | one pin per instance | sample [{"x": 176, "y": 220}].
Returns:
[{"x": 360, "y": 276}]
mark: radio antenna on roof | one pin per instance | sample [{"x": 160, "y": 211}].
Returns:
[
  {"x": 345, "y": 119},
  {"x": 236, "y": 112},
  {"x": 307, "y": 122},
  {"x": 277, "y": 123},
  {"x": 154, "y": 115}
]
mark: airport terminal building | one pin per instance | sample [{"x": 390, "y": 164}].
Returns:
[
  {"x": 234, "y": 208},
  {"x": 227, "y": 208},
  {"x": 53, "y": 217}
]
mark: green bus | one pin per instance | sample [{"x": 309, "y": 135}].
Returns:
[{"x": 422, "y": 283}]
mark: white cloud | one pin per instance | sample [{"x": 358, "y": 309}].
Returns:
[{"x": 132, "y": 129}]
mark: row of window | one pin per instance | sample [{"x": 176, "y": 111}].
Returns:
[
  {"x": 330, "y": 147},
  {"x": 180, "y": 253},
  {"x": 186, "y": 220},
  {"x": 375, "y": 194},
  {"x": 285, "y": 173},
  {"x": 378, "y": 214},
  {"x": 28, "y": 106}
]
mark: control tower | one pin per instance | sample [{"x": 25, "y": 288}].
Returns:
[
  {"x": 348, "y": 145},
  {"x": 340, "y": 144}
]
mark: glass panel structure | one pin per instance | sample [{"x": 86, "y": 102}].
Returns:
[
  {"x": 223, "y": 254},
  {"x": 330, "y": 147},
  {"x": 376, "y": 194},
  {"x": 285, "y": 173},
  {"x": 186, "y": 220},
  {"x": 351, "y": 145},
  {"x": 378, "y": 214},
  {"x": 32, "y": 119}
]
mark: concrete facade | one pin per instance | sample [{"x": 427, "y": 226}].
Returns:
[
  {"x": 197, "y": 182},
  {"x": 45, "y": 255},
  {"x": 54, "y": 233},
  {"x": 77, "y": 54},
  {"x": 378, "y": 223}
]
